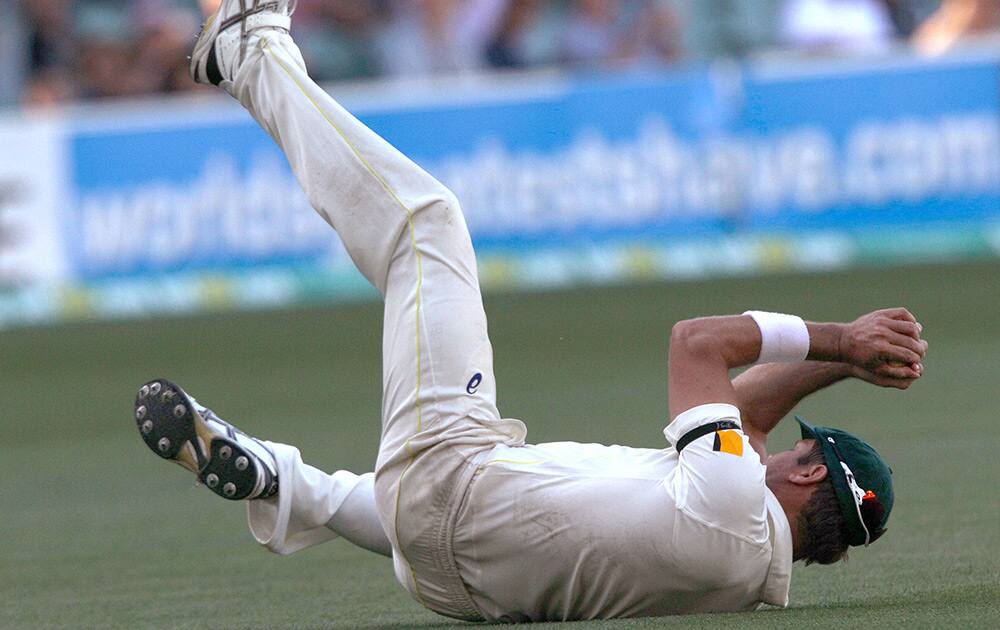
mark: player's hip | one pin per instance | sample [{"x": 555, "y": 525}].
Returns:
[{"x": 420, "y": 488}]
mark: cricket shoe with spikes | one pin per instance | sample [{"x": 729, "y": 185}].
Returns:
[
  {"x": 231, "y": 463},
  {"x": 228, "y": 34}
]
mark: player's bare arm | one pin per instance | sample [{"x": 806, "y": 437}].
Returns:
[
  {"x": 768, "y": 393},
  {"x": 883, "y": 347}
]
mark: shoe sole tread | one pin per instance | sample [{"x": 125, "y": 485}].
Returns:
[{"x": 191, "y": 443}]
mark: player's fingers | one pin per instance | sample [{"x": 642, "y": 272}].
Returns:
[
  {"x": 896, "y": 372},
  {"x": 899, "y": 313},
  {"x": 903, "y": 342},
  {"x": 897, "y": 383},
  {"x": 900, "y": 355},
  {"x": 903, "y": 380},
  {"x": 912, "y": 329}
]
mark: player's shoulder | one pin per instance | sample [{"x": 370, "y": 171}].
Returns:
[
  {"x": 720, "y": 479},
  {"x": 710, "y": 438}
]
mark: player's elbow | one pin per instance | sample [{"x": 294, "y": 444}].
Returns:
[{"x": 693, "y": 337}]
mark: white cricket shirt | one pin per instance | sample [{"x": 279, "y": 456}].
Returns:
[{"x": 582, "y": 531}]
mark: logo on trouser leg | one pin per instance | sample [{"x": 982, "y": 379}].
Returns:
[{"x": 474, "y": 383}]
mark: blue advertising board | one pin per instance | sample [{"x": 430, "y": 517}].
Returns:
[{"x": 605, "y": 159}]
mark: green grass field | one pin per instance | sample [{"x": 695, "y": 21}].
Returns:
[{"x": 97, "y": 532}]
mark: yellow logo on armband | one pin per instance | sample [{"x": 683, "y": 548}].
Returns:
[{"x": 728, "y": 442}]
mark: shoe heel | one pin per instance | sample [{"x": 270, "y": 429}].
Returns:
[{"x": 231, "y": 471}]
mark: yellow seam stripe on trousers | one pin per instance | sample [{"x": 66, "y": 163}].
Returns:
[{"x": 420, "y": 271}]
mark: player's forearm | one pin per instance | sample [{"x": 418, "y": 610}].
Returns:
[
  {"x": 767, "y": 393},
  {"x": 826, "y": 341}
]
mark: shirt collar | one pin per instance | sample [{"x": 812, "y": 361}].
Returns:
[{"x": 779, "y": 573}]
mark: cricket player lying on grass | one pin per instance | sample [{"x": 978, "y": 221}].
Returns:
[{"x": 480, "y": 525}]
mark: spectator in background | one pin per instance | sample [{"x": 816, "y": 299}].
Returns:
[
  {"x": 162, "y": 44},
  {"x": 595, "y": 32},
  {"x": 422, "y": 37},
  {"x": 50, "y": 39},
  {"x": 836, "y": 26},
  {"x": 508, "y": 48},
  {"x": 107, "y": 48},
  {"x": 105, "y": 70},
  {"x": 48, "y": 88},
  {"x": 620, "y": 32},
  {"x": 729, "y": 28},
  {"x": 51, "y": 52},
  {"x": 657, "y": 34},
  {"x": 908, "y": 15},
  {"x": 336, "y": 37},
  {"x": 955, "y": 20}
]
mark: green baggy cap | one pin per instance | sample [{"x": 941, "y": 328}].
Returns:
[{"x": 861, "y": 477}]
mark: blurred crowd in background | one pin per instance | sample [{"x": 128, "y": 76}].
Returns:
[{"x": 58, "y": 51}]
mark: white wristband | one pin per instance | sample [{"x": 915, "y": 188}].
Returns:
[{"x": 784, "y": 338}]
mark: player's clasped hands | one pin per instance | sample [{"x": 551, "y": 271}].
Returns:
[{"x": 885, "y": 348}]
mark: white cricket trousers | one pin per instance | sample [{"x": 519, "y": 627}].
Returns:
[{"x": 407, "y": 235}]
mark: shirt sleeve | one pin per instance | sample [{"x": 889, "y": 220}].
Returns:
[{"x": 719, "y": 479}]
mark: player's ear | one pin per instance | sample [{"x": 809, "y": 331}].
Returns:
[{"x": 808, "y": 474}]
